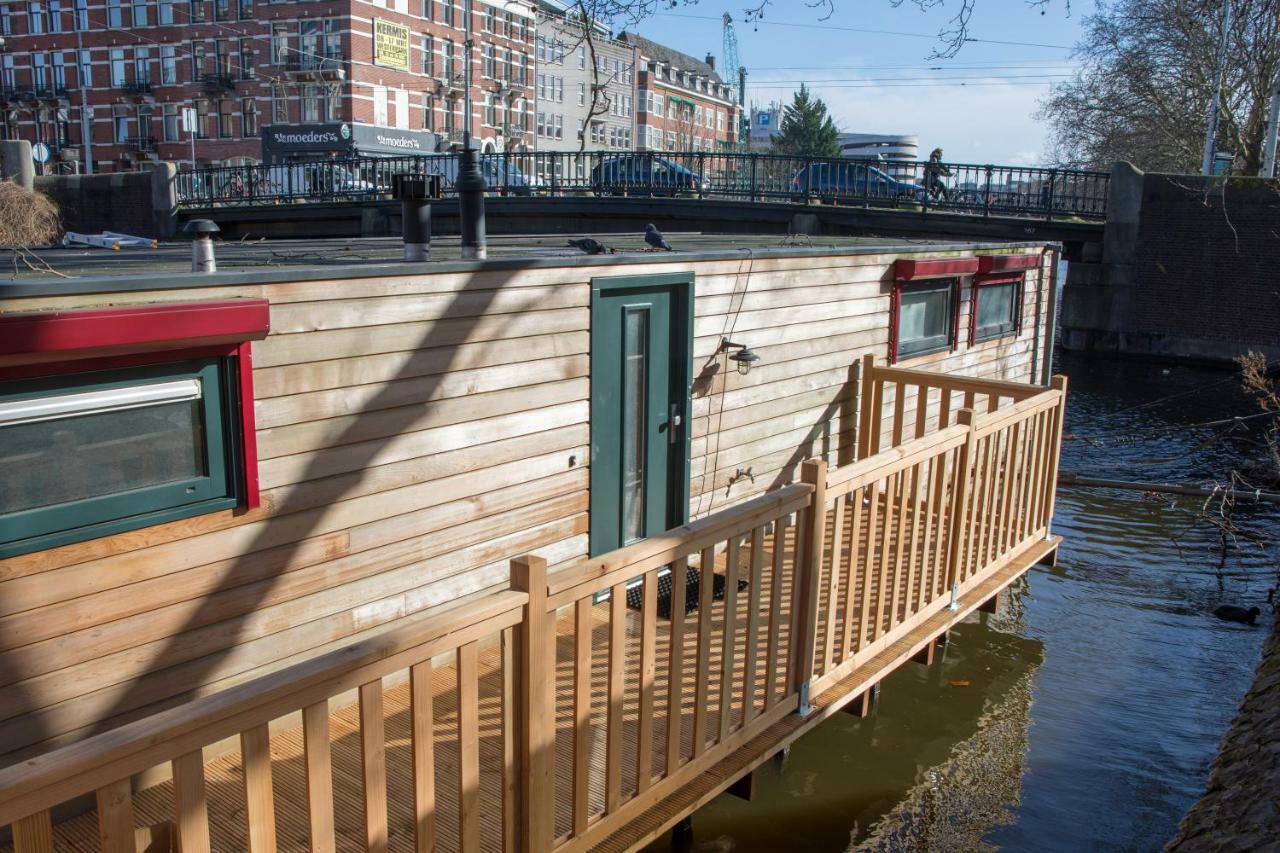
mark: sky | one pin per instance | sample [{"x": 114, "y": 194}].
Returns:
[{"x": 885, "y": 82}]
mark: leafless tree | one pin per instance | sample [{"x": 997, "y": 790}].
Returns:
[{"x": 1148, "y": 69}]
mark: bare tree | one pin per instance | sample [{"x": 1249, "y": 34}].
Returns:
[{"x": 1147, "y": 76}]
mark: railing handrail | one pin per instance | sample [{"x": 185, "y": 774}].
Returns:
[
  {"x": 1017, "y": 390},
  {"x": 985, "y": 424},
  {"x": 47, "y": 780},
  {"x": 600, "y": 573},
  {"x": 885, "y": 462}
]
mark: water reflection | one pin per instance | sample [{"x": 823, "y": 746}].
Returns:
[{"x": 1095, "y": 701}]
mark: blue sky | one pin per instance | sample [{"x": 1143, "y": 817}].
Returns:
[{"x": 987, "y": 117}]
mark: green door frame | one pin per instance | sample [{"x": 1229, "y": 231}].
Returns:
[{"x": 680, "y": 286}]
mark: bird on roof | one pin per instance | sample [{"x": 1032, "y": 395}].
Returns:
[
  {"x": 654, "y": 238},
  {"x": 590, "y": 246}
]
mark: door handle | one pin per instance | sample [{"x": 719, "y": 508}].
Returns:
[{"x": 673, "y": 422}]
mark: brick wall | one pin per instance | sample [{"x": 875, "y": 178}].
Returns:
[{"x": 1207, "y": 258}]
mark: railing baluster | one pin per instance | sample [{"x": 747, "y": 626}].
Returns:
[
  {"x": 422, "y": 732},
  {"x": 648, "y": 642},
  {"x": 884, "y": 593},
  {"x": 115, "y": 817},
  {"x": 854, "y": 562},
  {"x": 1012, "y": 471},
  {"x": 675, "y": 682},
  {"x": 775, "y": 611},
  {"x": 1058, "y": 383},
  {"x": 833, "y": 584},
  {"x": 34, "y": 833},
  {"x": 915, "y": 574},
  {"x": 922, "y": 410},
  {"x": 899, "y": 409},
  {"x": 511, "y": 771},
  {"x": 315, "y": 737},
  {"x": 701, "y": 687},
  {"x": 373, "y": 766},
  {"x": 617, "y": 686},
  {"x": 581, "y": 714},
  {"x": 469, "y": 748},
  {"x": 751, "y": 652},
  {"x": 871, "y": 566},
  {"x": 260, "y": 811},
  {"x": 900, "y": 595},
  {"x": 191, "y": 809},
  {"x": 938, "y": 499},
  {"x": 866, "y": 395},
  {"x": 729, "y": 634}
]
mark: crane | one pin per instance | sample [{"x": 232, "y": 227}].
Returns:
[{"x": 736, "y": 73}]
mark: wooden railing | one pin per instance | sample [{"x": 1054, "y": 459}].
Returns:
[
  {"x": 897, "y": 403},
  {"x": 549, "y": 715}
]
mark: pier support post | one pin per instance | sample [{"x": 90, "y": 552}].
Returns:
[
  {"x": 865, "y": 703},
  {"x": 925, "y": 655},
  {"x": 992, "y": 604},
  {"x": 744, "y": 788}
]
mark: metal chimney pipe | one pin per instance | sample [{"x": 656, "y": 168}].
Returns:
[
  {"x": 415, "y": 193},
  {"x": 471, "y": 189},
  {"x": 202, "y": 231}
]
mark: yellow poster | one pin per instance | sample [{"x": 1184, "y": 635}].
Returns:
[{"x": 390, "y": 45}]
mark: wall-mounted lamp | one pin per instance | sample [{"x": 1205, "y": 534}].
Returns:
[{"x": 744, "y": 357}]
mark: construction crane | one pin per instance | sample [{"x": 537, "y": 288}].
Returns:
[{"x": 736, "y": 72}]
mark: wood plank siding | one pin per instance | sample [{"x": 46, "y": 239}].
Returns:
[{"x": 417, "y": 431}]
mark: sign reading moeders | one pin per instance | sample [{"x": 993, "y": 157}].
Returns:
[
  {"x": 340, "y": 139},
  {"x": 390, "y": 44}
]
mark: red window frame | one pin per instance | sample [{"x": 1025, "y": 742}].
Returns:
[
  {"x": 47, "y": 343},
  {"x": 908, "y": 271},
  {"x": 1000, "y": 269}
]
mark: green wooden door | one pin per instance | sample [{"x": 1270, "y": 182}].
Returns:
[{"x": 640, "y": 360}]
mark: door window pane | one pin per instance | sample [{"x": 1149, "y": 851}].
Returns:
[{"x": 635, "y": 338}]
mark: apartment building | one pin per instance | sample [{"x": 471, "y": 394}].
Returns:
[
  {"x": 585, "y": 88},
  {"x": 682, "y": 104},
  {"x": 104, "y": 83}
]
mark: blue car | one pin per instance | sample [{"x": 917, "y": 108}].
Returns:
[
  {"x": 834, "y": 180},
  {"x": 644, "y": 174}
]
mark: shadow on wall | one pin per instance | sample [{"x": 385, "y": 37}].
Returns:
[{"x": 171, "y": 674}]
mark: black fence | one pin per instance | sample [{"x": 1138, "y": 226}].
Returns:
[{"x": 957, "y": 187}]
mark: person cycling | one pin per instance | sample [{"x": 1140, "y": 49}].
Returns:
[{"x": 934, "y": 171}]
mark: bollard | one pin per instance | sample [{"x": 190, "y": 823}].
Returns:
[
  {"x": 471, "y": 203},
  {"x": 415, "y": 193},
  {"x": 202, "y": 231}
]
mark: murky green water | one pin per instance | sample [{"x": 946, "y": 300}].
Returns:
[{"x": 1095, "y": 699}]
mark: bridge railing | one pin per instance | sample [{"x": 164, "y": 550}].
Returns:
[{"x": 918, "y": 185}]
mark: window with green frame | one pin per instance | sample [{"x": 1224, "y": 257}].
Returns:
[{"x": 89, "y": 454}]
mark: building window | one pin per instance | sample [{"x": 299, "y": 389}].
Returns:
[
  {"x": 279, "y": 105},
  {"x": 249, "y": 117},
  {"x": 197, "y": 60},
  {"x": 35, "y": 17},
  {"x": 426, "y": 8},
  {"x": 994, "y": 308},
  {"x": 446, "y": 13},
  {"x": 118, "y": 66},
  {"x": 582, "y": 58},
  {"x": 244, "y": 10},
  {"x": 120, "y": 123},
  {"x": 202, "y": 118},
  {"x": 164, "y": 12},
  {"x": 582, "y": 94},
  {"x": 169, "y": 120},
  {"x": 168, "y": 65},
  {"x": 80, "y": 15},
  {"x": 428, "y": 56},
  {"x": 140, "y": 15},
  {"x": 924, "y": 316},
  {"x": 86, "y": 69},
  {"x": 279, "y": 43},
  {"x": 142, "y": 63},
  {"x": 246, "y": 59},
  {"x": 222, "y": 10},
  {"x": 428, "y": 112},
  {"x": 196, "y": 10}
]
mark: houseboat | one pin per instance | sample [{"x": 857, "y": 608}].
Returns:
[{"x": 520, "y": 554}]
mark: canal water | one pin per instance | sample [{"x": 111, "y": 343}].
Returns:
[{"x": 1082, "y": 716}]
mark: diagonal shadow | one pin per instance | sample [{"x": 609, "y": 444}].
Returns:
[{"x": 469, "y": 303}]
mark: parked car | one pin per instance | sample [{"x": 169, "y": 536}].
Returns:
[
  {"x": 310, "y": 179},
  {"x": 644, "y": 174},
  {"x": 831, "y": 181},
  {"x": 501, "y": 176}
]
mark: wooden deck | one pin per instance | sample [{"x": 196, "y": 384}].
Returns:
[
  {"x": 225, "y": 777},
  {"x": 553, "y": 715}
]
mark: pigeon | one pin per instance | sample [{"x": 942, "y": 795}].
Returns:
[
  {"x": 590, "y": 247},
  {"x": 654, "y": 238},
  {"x": 1235, "y": 613}
]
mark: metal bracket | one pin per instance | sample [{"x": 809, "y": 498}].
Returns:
[
  {"x": 955, "y": 597},
  {"x": 805, "y": 707}
]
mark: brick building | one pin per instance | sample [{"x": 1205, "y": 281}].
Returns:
[
  {"x": 682, "y": 104},
  {"x": 104, "y": 82}
]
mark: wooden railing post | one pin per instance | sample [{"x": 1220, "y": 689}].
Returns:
[
  {"x": 535, "y": 686},
  {"x": 957, "y": 525},
  {"x": 808, "y": 573},
  {"x": 866, "y": 398},
  {"x": 1058, "y": 383}
]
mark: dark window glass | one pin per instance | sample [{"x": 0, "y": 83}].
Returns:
[{"x": 924, "y": 317}]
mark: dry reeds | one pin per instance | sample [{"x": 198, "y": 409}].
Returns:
[{"x": 27, "y": 218}]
